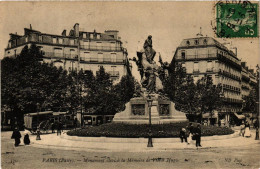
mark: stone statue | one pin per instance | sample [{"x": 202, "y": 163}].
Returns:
[
  {"x": 148, "y": 48},
  {"x": 150, "y": 72},
  {"x": 161, "y": 109}
]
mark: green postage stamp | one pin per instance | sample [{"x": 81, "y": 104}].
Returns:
[{"x": 237, "y": 19}]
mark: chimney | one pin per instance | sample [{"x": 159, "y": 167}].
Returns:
[
  {"x": 112, "y": 33},
  {"x": 30, "y": 26},
  {"x": 76, "y": 30},
  {"x": 63, "y": 32}
]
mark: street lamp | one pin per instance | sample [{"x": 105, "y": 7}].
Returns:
[
  {"x": 38, "y": 128},
  {"x": 150, "y": 142}
]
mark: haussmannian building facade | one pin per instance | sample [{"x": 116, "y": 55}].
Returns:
[
  {"x": 206, "y": 56},
  {"x": 248, "y": 83},
  {"x": 77, "y": 50}
]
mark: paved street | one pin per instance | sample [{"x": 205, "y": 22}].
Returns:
[{"x": 246, "y": 156}]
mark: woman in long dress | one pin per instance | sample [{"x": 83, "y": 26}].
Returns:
[
  {"x": 242, "y": 129},
  {"x": 190, "y": 131},
  {"x": 16, "y": 136},
  {"x": 247, "y": 130}
]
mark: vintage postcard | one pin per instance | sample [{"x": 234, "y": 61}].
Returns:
[{"x": 127, "y": 84}]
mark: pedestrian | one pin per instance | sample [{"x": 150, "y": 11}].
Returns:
[
  {"x": 53, "y": 127},
  {"x": 183, "y": 135},
  {"x": 59, "y": 128},
  {"x": 242, "y": 129},
  {"x": 190, "y": 131},
  {"x": 257, "y": 133},
  {"x": 26, "y": 138},
  {"x": 197, "y": 133},
  {"x": 16, "y": 136},
  {"x": 75, "y": 123},
  {"x": 256, "y": 123},
  {"x": 247, "y": 130}
]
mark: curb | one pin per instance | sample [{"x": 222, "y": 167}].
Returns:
[{"x": 142, "y": 139}]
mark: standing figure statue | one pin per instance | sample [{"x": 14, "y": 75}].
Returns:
[
  {"x": 149, "y": 70},
  {"x": 148, "y": 48}
]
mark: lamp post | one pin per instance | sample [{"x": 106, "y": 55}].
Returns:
[
  {"x": 38, "y": 137},
  {"x": 150, "y": 141}
]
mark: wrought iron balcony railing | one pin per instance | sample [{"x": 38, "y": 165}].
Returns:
[{"x": 101, "y": 48}]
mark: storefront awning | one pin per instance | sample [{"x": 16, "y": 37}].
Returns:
[
  {"x": 59, "y": 113},
  {"x": 239, "y": 116},
  {"x": 39, "y": 113}
]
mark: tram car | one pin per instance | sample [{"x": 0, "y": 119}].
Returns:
[{"x": 45, "y": 120}]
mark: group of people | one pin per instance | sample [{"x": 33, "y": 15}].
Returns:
[
  {"x": 191, "y": 133},
  {"x": 58, "y": 126},
  {"x": 17, "y": 136}
]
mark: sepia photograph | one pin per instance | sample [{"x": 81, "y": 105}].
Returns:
[{"x": 130, "y": 84}]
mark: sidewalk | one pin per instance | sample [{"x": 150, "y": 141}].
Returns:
[{"x": 103, "y": 144}]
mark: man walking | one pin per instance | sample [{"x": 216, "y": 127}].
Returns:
[
  {"x": 198, "y": 135},
  {"x": 59, "y": 127}
]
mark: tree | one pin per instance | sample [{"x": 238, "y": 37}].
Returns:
[
  {"x": 209, "y": 96},
  {"x": 125, "y": 88},
  {"x": 180, "y": 88},
  {"x": 190, "y": 98},
  {"x": 104, "y": 98},
  {"x": 250, "y": 104},
  {"x": 100, "y": 99},
  {"x": 173, "y": 82},
  {"x": 27, "y": 82}
]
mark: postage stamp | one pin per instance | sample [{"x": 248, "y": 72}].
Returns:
[{"x": 237, "y": 19}]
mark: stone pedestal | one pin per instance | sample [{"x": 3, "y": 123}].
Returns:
[{"x": 137, "y": 112}]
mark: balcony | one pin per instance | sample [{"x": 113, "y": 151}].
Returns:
[
  {"x": 59, "y": 55},
  {"x": 197, "y": 57},
  {"x": 229, "y": 75},
  {"x": 101, "y": 48},
  {"x": 102, "y": 60},
  {"x": 83, "y": 59}
]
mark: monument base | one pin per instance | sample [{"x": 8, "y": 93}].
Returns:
[{"x": 137, "y": 112}]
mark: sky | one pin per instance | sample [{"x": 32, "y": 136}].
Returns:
[{"x": 168, "y": 22}]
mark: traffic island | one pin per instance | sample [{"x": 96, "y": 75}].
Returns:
[{"x": 123, "y": 130}]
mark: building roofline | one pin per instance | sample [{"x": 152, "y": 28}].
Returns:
[{"x": 216, "y": 43}]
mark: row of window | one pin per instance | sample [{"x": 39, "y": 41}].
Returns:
[
  {"x": 197, "y": 54},
  {"x": 226, "y": 80},
  {"x": 86, "y": 56},
  {"x": 91, "y": 36},
  {"x": 228, "y": 68},
  {"x": 205, "y": 53},
  {"x": 57, "y": 40},
  {"x": 114, "y": 74},
  {"x": 210, "y": 66},
  {"x": 196, "y": 42}
]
